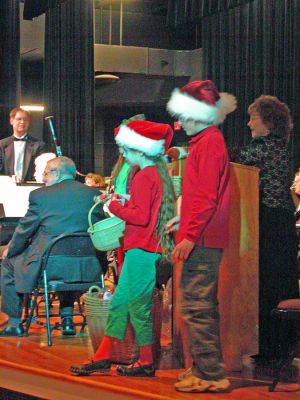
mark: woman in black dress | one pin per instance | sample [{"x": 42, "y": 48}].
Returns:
[{"x": 270, "y": 124}]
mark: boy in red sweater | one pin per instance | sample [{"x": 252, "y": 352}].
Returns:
[
  {"x": 151, "y": 205},
  {"x": 203, "y": 229}
]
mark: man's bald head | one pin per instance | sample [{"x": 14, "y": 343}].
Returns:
[{"x": 59, "y": 169}]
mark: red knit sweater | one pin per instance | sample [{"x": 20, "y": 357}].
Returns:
[
  {"x": 141, "y": 211},
  {"x": 205, "y": 192}
]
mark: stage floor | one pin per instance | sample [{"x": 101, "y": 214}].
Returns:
[{"x": 28, "y": 365}]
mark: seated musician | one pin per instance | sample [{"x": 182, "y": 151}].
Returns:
[
  {"x": 39, "y": 167},
  {"x": 95, "y": 180},
  {"x": 60, "y": 207}
]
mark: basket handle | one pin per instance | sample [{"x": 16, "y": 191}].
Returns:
[
  {"x": 90, "y": 213},
  {"x": 95, "y": 288}
]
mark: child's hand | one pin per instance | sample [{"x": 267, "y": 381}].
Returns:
[
  {"x": 102, "y": 198},
  {"x": 106, "y": 209},
  {"x": 173, "y": 224},
  {"x": 120, "y": 198},
  {"x": 182, "y": 251}
]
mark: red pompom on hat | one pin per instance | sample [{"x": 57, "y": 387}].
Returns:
[
  {"x": 201, "y": 101},
  {"x": 151, "y": 138}
]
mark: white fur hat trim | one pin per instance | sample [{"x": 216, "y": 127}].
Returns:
[
  {"x": 133, "y": 140},
  {"x": 186, "y": 106}
]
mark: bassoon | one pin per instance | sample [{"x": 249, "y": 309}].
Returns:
[{"x": 54, "y": 138}]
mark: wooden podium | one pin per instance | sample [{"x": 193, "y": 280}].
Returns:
[{"x": 238, "y": 279}]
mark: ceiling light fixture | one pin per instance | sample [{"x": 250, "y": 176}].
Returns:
[
  {"x": 106, "y": 76},
  {"x": 33, "y": 107}
]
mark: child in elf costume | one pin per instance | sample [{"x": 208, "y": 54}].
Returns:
[
  {"x": 151, "y": 205},
  {"x": 121, "y": 177},
  {"x": 203, "y": 229}
]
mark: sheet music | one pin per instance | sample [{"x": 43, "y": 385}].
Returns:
[{"x": 14, "y": 197}]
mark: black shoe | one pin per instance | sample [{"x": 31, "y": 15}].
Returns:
[
  {"x": 68, "y": 328},
  {"x": 11, "y": 331},
  {"x": 94, "y": 366},
  {"x": 139, "y": 371}
]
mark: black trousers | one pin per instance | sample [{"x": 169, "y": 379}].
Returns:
[
  {"x": 278, "y": 278},
  {"x": 12, "y": 301}
]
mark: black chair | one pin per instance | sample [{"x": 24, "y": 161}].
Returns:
[
  {"x": 62, "y": 254},
  {"x": 288, "y": 310}
]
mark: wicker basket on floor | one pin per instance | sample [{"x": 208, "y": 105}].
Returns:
[{"x": 124, "y": 351}]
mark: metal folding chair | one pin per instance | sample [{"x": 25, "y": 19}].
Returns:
[{"x": 73, "y": 248}]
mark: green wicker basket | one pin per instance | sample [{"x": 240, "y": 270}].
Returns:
[{"x": 106, "y": 234}]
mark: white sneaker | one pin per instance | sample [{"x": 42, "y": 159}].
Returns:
[
  {"x": 184, "y": 374},
  {"x": 193, "y": 384}
]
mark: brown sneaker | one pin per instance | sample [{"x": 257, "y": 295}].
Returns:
[
  {"x": 220, "y": 386},
  {"x": 193, "y": 384}
]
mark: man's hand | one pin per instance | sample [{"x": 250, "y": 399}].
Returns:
[
  {"x": 172, "y": 225},
  {"x": 4, "y": 252},
  {"x": 182, "y": 251}
]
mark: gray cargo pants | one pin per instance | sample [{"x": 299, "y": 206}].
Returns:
[{"x": 199, "y": 284}]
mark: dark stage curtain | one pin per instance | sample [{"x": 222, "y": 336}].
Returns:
[
  {"x": 34, "y": 8},
  {"x": 189, "y": 11},
  {"x": 10, "y": 61},
  {"x": 69, "y": 79},
  {"x": 250, "y": 47},
  {"x": 252, "y": 50}
]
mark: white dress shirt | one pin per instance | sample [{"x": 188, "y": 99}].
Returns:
[{"x": 19, "y": 148}]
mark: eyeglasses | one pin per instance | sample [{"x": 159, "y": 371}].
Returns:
[
  {"x": 45, "y": 173},
  {"x": 22, "y": 119}
]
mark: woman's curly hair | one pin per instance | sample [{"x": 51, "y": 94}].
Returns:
[{"x": 274, "y": 114}]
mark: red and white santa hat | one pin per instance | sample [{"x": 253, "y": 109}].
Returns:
[
  {"x": 151, "y": 138},
  {"x": 201, "y": 101}
]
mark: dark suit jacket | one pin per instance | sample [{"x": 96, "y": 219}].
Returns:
[
  {"x": 53, "y": 210},
  {"x": 33, "y": 148}
]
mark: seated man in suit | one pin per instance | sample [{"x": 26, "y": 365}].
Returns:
[
  {"x": 61, "y": 206},
  {"x": 18, "y": 151}
]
